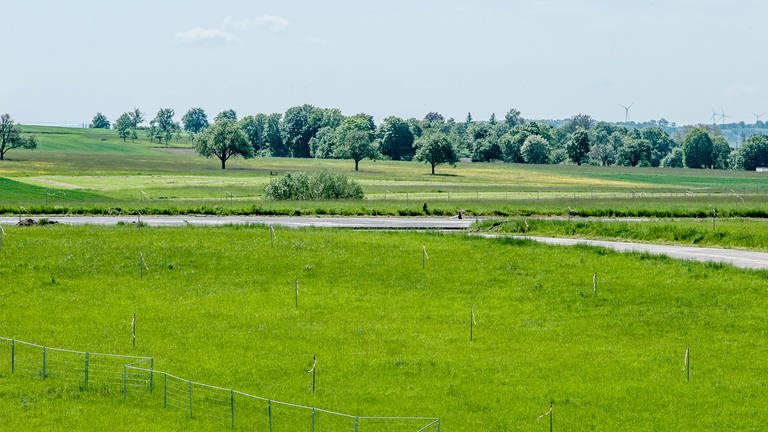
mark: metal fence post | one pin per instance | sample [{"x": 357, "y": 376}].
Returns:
[
  {"x": 13, "y": 355},
  {"x": 313, "y": 420},
  {"x": 269, "y": 414},
  {"x": 85, "y": 377},
  {"x": 189, "y": 386},
  {"x": 125, "y": 382},
  {"x": 151, "y": 374},
  {"x": 165, "y": 390},
  {"x": 356, "y": 423},
  {"x": 438, "y": 424},
  {"x": 232, "y": 405},
  {"x": 44, "y": 374}
]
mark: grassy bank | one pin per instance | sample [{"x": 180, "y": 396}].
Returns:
[{"x": 721, "y": 232}]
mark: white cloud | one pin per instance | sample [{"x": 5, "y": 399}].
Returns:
[
  {"x": 202, "y": 35},
  {"x": 272, "y": 22}
]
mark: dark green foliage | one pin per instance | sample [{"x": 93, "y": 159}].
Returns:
[
  {"x": 436, "y": 148},
  {"x": 674, "y": 159},
  {"x": 698, "y": 149},
  {"x": 125, "y": 127},
  {"x": 195, "y": 120},
  {"x": 162, "y": 127},
  {"x": 396, "y": 139},
  {"x": 11, "y": 137},
  {"x": 100, "y": 121},
  {"x": 578, "y": 146},
  {"x": 535, "y": 150},
  {"x": 253, "y": 127},
  {"x": 224, "y": 139},
  {"x": 323, "y": 144},
  {"x": 754, "y": 153},
  {"x": 634, "y": 152},
  {"x": 229, "y": 114},
  {"x": 321, "y": 185}
]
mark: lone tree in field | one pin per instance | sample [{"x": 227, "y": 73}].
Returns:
[
  {"x": 224, "y": 139},
  {"x": 100, "y": 121},
  {"x": 10, "y": 137},
  {"x": 436, "y": 148},
  {"x": 357, "y": 146}
]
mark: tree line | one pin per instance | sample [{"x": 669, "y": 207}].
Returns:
[{"x": 307, "y": 131}]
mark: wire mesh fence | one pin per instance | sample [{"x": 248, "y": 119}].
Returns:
[{"x": 135, "y": 377}]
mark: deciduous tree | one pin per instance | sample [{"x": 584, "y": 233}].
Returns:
[
  {"x": 195, "y": 120},
  {"x": 436, "y": 148},
  {"x": 224, "y": 139},
  {"x": 100, "y": 121},
  {"x": 11, "y": 137}
]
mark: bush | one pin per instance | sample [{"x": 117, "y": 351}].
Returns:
[{"x": 321, "y": 185}]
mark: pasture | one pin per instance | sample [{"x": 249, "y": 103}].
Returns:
[
  {"x": 93, "y": 171},
  {"x": 217, "y": 305}
]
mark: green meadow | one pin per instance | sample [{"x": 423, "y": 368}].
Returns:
[
  {"x": 217, "y": 305},
  {"x": 90, "y": 171}
]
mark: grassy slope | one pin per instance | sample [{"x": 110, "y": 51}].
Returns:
[{"x": 391, "y": 338}]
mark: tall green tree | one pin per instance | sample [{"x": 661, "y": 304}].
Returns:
[
  {"x": 754, "y": 153},
  {"x": 634, "y": 152},
  {"x": 512, "y": 118},
  {"x": 578, "y": 146},
  {"x": 224, "y": 139},
  {"x": 137, "y": 117},
  {"x": 229, "y": 114},
  {"x": 535, "y": 150},
  {"x": 162, "y": 127},
  {"x": 360, "y": 122},
  {"x": 273, "y": 136},
  {"x": 253, "y": 126},
  {"x": 100, "y": 121},
  {"x": 698, "y": 149},
  {"x": 195, "y": 120},
  {"x": 299, "y": 125},
  {"x": 721, "y": 153},
  {"x": 436, "y": 148},
  {"x": 357, "y": 145},
  {"x": 125, "y": 128},
  {"x": 12, "y": 138},
  {"x": 323, "y": 144},
  {"x": 396, "y": 139}
]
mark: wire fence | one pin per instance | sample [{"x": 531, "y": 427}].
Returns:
[{"x": 133, "y": 377}]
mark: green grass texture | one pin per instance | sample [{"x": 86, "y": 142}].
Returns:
[{"x": 217, "y": 305}]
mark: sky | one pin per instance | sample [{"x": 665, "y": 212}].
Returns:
[{"x": 678, "y": 59}]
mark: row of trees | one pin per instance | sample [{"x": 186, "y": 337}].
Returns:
[{"x": 308, "y": 131}]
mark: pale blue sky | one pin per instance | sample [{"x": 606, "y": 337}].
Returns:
[{"x": 65, "y": 60}]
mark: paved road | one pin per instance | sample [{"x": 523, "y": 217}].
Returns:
[
  {"x": 735, "y": 257},
  {"x": 286, "y": 221}
]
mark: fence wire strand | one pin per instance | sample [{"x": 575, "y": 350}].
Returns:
[{"x": 135, "y": 376}]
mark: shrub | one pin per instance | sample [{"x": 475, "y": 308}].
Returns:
[{"x": 321, "y": 185}]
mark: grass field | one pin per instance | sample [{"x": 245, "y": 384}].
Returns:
[
  {"x": 92, "y": 171},
  {"x": 728, "y": 232},
  {"x": 217, "y": 306}
]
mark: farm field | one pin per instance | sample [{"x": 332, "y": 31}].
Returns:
[
  {"x": 92, "y": 171},
  {"x": 217, "y": 305}
]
